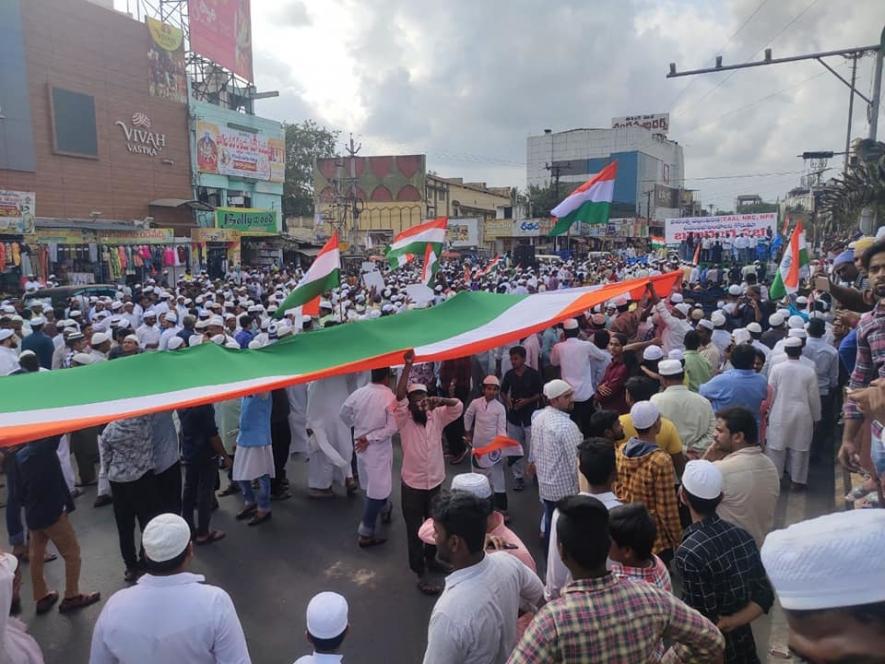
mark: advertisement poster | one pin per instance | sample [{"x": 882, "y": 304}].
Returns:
[
  {"x": 166, "y": 72},
  {"x": 221, "y": 30},
  {"x": 463, "y": 232},
  {"x": 246, "y": 219},
  {"x": 227, "y": 151},
  {"x": 17, "y": 210},
  {"x": 757, "y": 226}
]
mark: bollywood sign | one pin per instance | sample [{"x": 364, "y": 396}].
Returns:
[
  {"x": 221, "y": 30},
  {"x": 246, "y": 219},
  {"x": 227, "y": 151},
  {"x": 757, "y": 226}
]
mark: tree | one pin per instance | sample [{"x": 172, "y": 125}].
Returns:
[
  {"x": 305, "y": 143},
  {"x": 543, "y": 199}
]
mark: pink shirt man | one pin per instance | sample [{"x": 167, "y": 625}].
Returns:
[{"x": 423, "y": 463}]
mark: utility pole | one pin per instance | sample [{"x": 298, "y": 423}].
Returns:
[
  {"x": 555, "y": 170},
  {"x": 866, "y": 220},
  {"x": 854, "y": 59},
  {"x": 351, "y": 201}
]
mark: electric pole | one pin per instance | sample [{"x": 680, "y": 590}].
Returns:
[{"x": 555, "y": 170}]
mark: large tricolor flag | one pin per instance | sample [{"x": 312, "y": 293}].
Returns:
[
  {"x": 323, "y": 275},
  {"x": 492, "y": 265},
  {"x": 52, "y": 402},
  {"x": 794, "y": 265},
  {"x": 431, "y": 264},
  {"x": 413, "y": 241},
  {"x": 590, "y": 203}
]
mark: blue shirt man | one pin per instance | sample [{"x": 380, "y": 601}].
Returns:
[
  {"x": 740, "y": 386},
  {"x": 40, "y": 343}
]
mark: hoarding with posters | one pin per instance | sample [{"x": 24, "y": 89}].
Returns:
[
  {"x": 250, "y": 154},
  {"x": 166, "y": 71},
  {"x": 221, "y": 30},
  {"x": 17, "y": 210},
  {"x": 733, "y": 225},
  {"x": 463, "y": 232}
]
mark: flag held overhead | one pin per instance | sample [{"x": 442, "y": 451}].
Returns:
[{"x": 590, "y": 203}]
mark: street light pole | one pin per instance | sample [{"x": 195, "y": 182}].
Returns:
[{"x": 868, "y": 214}]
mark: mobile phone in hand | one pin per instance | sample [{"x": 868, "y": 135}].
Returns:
[{"x": 821, "y": 283}]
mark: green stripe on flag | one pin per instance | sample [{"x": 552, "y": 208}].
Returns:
[
  {"x": 207, "y": 365},
  {"x": 777, "y": 289},
  {"x": 589, "y": 213},
  {"x": 308, "y": 292},
  {"x": 416, "y": 248}
]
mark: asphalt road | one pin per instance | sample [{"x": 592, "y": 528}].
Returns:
[{"x": 309, "y": 546}]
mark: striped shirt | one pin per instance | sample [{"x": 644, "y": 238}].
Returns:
[
  {"x": 870, "y": 363},
  {"x": 616, "y": 620}
]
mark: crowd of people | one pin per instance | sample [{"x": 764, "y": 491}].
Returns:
[{"x": 657, "y": 434}]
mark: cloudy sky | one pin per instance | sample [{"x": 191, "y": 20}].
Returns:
[{"x": 466, "y": 81}]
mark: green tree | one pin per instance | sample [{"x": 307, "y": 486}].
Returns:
[
  {"x": 305, "y": 143},
  {"x": 543, "y": 199}
]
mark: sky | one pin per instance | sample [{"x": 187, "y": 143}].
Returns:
[{"x": 467, "y": 81}]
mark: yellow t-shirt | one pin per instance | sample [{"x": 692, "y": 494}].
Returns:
[{"x": 668, "y": 438}]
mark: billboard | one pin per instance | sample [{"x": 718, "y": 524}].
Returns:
[
  {"x": 166, "y": 72},
  {"x": 733, "y": 225},
  {"x": 17, "y": 210},
  {"x": 463, "y": 232},
  {"x": 227, "y": 151},
  {"x": 221, "y": 30},
  {"x": 659, "y": 123}
]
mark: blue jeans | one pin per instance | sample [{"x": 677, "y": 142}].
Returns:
[
  {"x": 371, "y": 511},
  {"x": 263, "y": 493}
]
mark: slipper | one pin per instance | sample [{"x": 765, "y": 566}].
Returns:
[
  {"x": 48, "y": 558},
  {"x": 78, "y": 602},
  {"x": 255, "y": 520},
  {"x": 246, "y": 512},
  {"x": 46, "y": 603},
  {"x": 429, "y": 587},
  {"x": 212, "y": 536},
  {"x": 366, "y": 542}
]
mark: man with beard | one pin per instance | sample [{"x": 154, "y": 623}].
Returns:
[
  {"x": 421, "y": 420},
  {"x": 474, "y": 620}
]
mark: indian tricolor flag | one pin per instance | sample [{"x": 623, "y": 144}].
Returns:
[
  {"x": 493, "y": 265},
  {"x": 323, "y": 275},
  {"x": 590, "y": 203},
  {"x": 794, "y": 265},
  {"x": 49, "y": 403},
  {"x": 413, "y": 241},
  {"x": 431, "y": 264}
]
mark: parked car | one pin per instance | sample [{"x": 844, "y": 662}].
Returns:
[{"x": 57, "y": 298}]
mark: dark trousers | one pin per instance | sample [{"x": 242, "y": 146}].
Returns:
[
  {"x": 133, "y": 501},
  {"x": 168, "y": 485},
  {"x": 454, "y": 433},
  {"x": 199, "y": 487},
  {"x": 14, "y": 526},
  {"x": 280, "y": 439},
  {"x": 84, "y": 447},
  {"x": 416, "y": 508},
  {"x": 581, "y": 414},
  {"x": 822, "y": 442}
]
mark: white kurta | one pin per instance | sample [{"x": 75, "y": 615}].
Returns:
[
  {"x": 795, "y": 406},
  {"x": 331, "y": 447},
  {"x": 488, "y": 419},
  {"x": 297, "y": 395},
  {"x": 532, "y": 345},
  {"x": 369, "y": 411}
]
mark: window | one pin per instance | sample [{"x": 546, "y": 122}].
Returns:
[{"x": 73, "y": 123}]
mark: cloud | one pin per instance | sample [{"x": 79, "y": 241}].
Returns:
[
  {"x": 467, "y": 82},
  {"x": 293, "y": 14}
]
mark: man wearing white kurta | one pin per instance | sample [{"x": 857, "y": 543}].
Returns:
[
  {"x": 484, "y": 419},
  {"x": 369, "y": 410},
  {"x": 169, "y": 615},
  {"x": 297, "y": 418},
  {"x": 795, "y": 407},
  {"x": 330, "y": 446}
]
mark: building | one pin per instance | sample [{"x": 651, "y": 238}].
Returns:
[
  {"x": 650, "y": 166},
  {"x": 392, "y": 193},
  {"x": 93, "y": 158}
]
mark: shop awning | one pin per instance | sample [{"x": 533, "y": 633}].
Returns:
[
  {"x": 180, "y": 202},
  {"x": 309, "y": 251}
]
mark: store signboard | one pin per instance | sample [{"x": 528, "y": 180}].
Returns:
[
  {"x": 659, "y": 123},
  {"x": 203, "y": 235},
  {"x": 463, "y": 232},
  {"x": 17, "y": 210},
  {"x": 141, "y": 236},
  {"x": 224, "y": 150},
  {"x": 246, "y": 219}
]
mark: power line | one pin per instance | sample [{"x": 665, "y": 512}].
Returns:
[
  {"x": 758, "y": 51},
  {"x": 725, "y": 48}
]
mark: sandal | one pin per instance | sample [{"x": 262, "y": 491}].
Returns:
[
  {"x": 366, "y": 542},
  {"x": 46, "y": 603},
  {"x": 246, "y": 512},
  {"x": 212, "y": 536},
  {"x": 257, "y": 519},
  {"x": 78, "y": 602},
  {"x": 25, "y": 557},
  {"x": 429, "y": 587}
]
